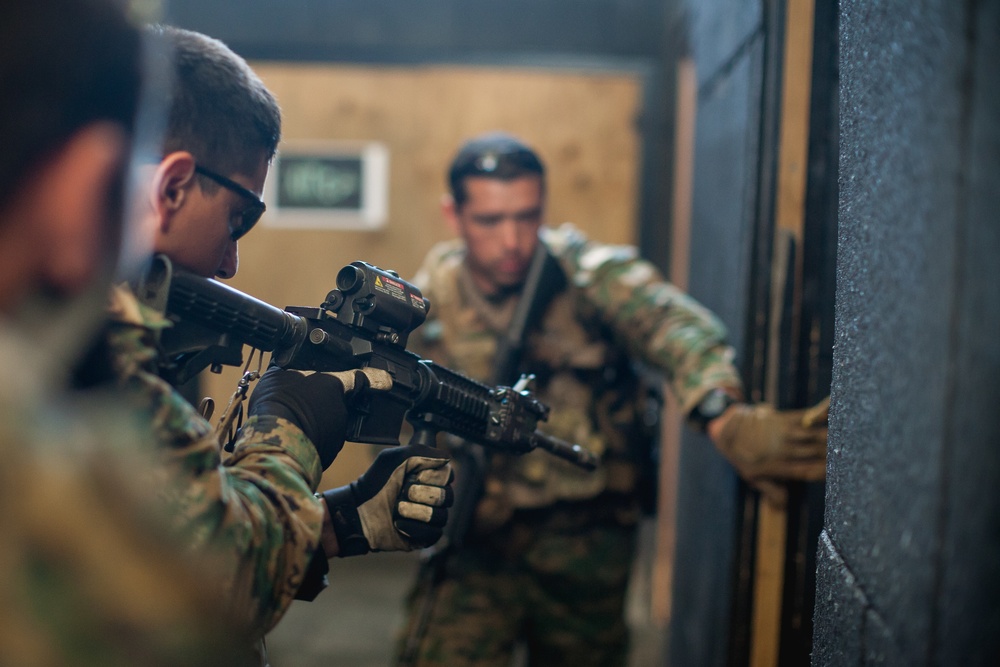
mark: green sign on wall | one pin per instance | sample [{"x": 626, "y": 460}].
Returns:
[
  {"x": 325, "y": 184},
  {"x": 317, "y": 182}
]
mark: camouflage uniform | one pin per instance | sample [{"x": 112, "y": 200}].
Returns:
[
  {"x": 90, "y": 576},
  {"x": 255, "y": 514},
  {"x": 552, "y": 545}
]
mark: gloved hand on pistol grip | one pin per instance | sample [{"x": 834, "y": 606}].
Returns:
[
  {"x": 314, "y": 402},
  {"x": 765, "y": 444},
  {"x": 400, "y": 503}
]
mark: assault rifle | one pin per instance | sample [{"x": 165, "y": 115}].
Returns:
[{"x": 364, "y": 322}]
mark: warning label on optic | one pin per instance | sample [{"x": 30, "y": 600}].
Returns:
[{"x": 390, "y": 287}]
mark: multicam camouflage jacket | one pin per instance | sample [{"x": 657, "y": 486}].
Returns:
[
  {"x": 616, "y": 309},
  {"x": 255, "y": 513},
  {"x": 91, "y": 575}
]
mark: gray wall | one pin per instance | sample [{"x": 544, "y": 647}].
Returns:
[
  {"x": 426, "y": 30},
  {"x": 728, "y": 39},
  {"x": 909, "y": 569}
]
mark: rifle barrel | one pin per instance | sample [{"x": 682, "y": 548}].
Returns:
[{"x": 573, "y": 453}]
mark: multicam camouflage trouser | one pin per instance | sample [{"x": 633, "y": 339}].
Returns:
[{"x": 553, "y": 579}]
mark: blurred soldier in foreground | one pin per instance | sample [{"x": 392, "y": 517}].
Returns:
[
  {"x": 255, "y": 513},
  {"x": 549, "y": 553},
  {"x": 89, "y": 574}
]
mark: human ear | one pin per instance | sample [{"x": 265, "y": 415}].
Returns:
[{"x": 168, "y": 192}]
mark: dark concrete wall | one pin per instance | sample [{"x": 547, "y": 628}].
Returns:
[{"x": 909, "y": 562}]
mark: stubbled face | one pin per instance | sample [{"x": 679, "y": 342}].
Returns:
[
  {"x": 499, "y": 223},
  {"x": 205, "y": 246}
]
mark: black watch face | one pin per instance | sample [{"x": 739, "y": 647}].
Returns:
[{"x": 714, "y": 404}]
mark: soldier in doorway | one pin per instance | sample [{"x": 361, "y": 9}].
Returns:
[{"x": 549, "y": 552}]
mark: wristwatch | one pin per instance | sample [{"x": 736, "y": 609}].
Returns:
[{"x": 712, "y": 406}]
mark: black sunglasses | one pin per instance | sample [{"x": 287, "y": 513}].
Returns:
[{"x": 251, "y": 214}]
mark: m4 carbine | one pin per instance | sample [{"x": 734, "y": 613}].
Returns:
[{"x": 364, "y": 322}]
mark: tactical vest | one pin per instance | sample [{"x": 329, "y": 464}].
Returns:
[{"x": 596, "y": 398}]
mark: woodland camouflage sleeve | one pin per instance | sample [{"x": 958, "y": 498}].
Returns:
[
  {"x": 255, "y": 516},
  {"x": 655, "y": 320},
  {"x": 92, "y": 573}
]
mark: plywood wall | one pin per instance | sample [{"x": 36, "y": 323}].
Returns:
[{"x": 583, "y": 125}]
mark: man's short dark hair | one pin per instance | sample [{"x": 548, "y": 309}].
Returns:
[
  {"x": 493, "y": 155},
  {"x": 220, "y": 110},
  {"x": 64, "y": 64}
]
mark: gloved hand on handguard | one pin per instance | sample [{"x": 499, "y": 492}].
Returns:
[{"x": 314, "y": 401}]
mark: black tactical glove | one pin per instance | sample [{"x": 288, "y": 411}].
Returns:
[
  {"x": 399, "y": 504},
  {"x": 314, "y": 402}
]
